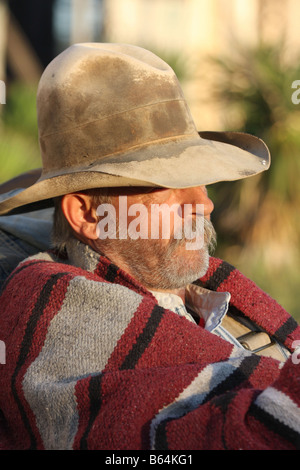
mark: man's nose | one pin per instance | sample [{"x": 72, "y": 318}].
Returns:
[{"x": 199, "y": 195}]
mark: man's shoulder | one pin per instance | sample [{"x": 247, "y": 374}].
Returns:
[
  {"x": 43, "y": 280},
  {"x": 43, "y": 264},
  {"x": 39, "y": 269}
]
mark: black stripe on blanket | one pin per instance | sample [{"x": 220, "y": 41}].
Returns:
[
  {"x": 144, "y": 339},
  {"x": 237, "y": 378},
  {"x": 95, "y": 405},
  {"x": 276, "y": 426},
  {"x": 219, "y": 276},
  {"x": 286, "y": 329},
  {"x": 219, "y": 396},
  {"x": 37, "y": 312},
  {"x": 111, "y": 273}
]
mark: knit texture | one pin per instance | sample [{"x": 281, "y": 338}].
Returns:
[{"x": 92, "y": 362}]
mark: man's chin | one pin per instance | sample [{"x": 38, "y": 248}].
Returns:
[
  {"x": 158, "y": 266},
  {"x": 184, "y": 268}
]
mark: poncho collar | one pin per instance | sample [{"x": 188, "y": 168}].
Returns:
[{"x": 246, "y": 298}]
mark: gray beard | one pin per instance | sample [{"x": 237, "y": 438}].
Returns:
[{"x": 157, "y": 266}]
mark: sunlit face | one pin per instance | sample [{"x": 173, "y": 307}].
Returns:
[{"x": 164, "y": 263}]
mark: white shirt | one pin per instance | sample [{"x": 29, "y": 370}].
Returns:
[{"x": 210, "y": 305}]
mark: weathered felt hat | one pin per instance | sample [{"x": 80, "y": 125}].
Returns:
[{"x": 112, "y": 115}]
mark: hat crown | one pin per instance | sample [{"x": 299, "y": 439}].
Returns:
[
  {"x": 112, "y": 115},
  {"x": 96, "y": 100}
]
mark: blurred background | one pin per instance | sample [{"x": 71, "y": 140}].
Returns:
[{"x": 236, "y": 60}]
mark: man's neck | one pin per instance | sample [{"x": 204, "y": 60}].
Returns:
[
  {"x": 179, "y": 292},
  {"x": 119, "y": 261}
]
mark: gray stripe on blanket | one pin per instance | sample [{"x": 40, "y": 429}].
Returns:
[{"x": 92, "y": 318}]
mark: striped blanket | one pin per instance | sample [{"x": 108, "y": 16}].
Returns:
[{"x": 92, "y": 362}]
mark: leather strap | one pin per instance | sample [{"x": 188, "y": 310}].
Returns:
[{"x": 252, "y": 338}]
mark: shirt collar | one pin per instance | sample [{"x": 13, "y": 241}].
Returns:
[{"x": 209, "y": 305}]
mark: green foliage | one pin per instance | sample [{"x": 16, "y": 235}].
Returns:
[
  {"x": 258, "y": 218},
  {"x": 19, "y": 149}
]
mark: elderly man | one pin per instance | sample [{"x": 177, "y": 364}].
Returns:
[{"x": 122, "y": 336}]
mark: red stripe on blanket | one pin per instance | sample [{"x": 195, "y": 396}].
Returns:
[{"x": 129, "y": 401}]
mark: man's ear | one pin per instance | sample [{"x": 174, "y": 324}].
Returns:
[{"x": 80, "y": 214}]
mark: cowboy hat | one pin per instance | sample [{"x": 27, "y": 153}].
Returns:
[{"x": 112, "y": 115}]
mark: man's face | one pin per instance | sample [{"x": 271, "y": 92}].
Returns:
[{"x": 161, "y": 260}]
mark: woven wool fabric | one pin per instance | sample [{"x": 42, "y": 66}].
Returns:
[{"x": 92, "y": 362}]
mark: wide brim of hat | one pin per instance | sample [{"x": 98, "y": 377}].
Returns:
[{"x": 208, "y": 158}]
